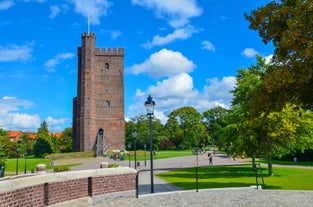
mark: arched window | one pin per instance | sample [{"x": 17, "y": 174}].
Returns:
[
  {"x": 107, "y": 66},
  {"x": 107, "y": 104}
]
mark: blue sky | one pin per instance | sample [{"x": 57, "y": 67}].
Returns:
[{"x": 182, "y": 52}]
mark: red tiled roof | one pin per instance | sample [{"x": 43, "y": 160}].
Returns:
[{"x": 15, "y": 135}]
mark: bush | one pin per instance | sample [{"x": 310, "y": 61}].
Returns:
[
  {"x": 113, "y": 165},
  {"x": 61, "y": 168},
  {"x": 70, "y": 155}
]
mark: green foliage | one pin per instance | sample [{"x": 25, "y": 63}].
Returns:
[
  {"x": 43, "y": 131},
  {"x": 215, "y": 121},
  {"x": 66, "y": 140},
  {"x": 61, "y": 168},
  {"x": 289, "y": 26},
  {"x": 142, "y": 126},
  {"x": 113, "y": 165},
  {"x": 185, "y": 128},
  {"x": 70, "y": 155},
  {"x": 41, "y": 147}
]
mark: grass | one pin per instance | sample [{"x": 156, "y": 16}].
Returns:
[
  {"x": 280, "y": 162},
  {"x": 240, "y": 176},
  {"x": 31, "y": 163},
  {"x": 140, "y": 154}
]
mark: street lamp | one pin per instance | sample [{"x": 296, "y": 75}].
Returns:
[
  {"x": 149, "y": 104},
  {"x": 25, "y": 155},
  {"x": 18, "y": 148},
  {"x": 145, "y": 146},
  {"x": 129, "y": 146},
  {"x": 135, "y": 137},
  {"x": 17, "y": 151}
]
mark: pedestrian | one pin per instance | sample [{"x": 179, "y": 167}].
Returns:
[{"x": 210, "y": 160}]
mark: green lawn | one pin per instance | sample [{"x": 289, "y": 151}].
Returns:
[
  {"x": 31, "y": 163},
  {"x": 240, "y": 176},
  {"x": 140, "y": 154}
]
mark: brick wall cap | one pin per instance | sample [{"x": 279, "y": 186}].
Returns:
[{"x": 13, "y": 184}]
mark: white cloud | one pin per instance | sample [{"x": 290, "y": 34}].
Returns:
[
  {"x": 164, "y": 63},
  {"x": 268, "y": 59},
  {"x": 10, "y": 118},
  {"x": 249, "y": 52},
  {"x": 54, "y": 124},
  {"x": 50, "y": 64},
  {"x": 115, "y": 34},
  {"x": 176, "y": 86},
  {"x": 6, "y": 4},
  {"x": 177, "y": 12},
  {"x": 178, "y": 91},
  {"x": 54, "y": 11},
  {"x": 57, "y": 9},
  {"x": 206, "y": 45},
  {"x": 219, "y": 91},
  {"x": 178, "y": 34},
  {"x": 16, "y": 53},
  {"x": 93, "y": 8}
]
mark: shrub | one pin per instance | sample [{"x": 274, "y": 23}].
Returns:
[
  {"x": 113, "y": 165},
  {"x": 61, "y": 168},
  {"x": 70, "y": 155}
]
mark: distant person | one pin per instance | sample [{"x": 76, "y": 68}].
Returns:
[{"x": 210, "y": 160}]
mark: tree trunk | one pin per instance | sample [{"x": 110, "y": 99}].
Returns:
[{"x": 270, "y": 166}]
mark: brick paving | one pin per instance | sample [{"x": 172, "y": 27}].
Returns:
[{"x": 169, "y": 195}]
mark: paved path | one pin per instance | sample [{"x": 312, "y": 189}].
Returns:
[{"x": 169, "y": 195}]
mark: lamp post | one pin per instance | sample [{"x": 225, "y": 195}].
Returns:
[
  {"x": 149, "y": 104},
  {"x": 135, "y": 137},
  {"x": 25, "y": 155},
  {"x": 17, "y": 151},
  {"x": 129, "y": 146},
  {"x": 18, "y": 148},
  {"x": 145, "y": 146}
]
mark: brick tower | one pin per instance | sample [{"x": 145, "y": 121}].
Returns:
[{"x": 98, "y": 109}]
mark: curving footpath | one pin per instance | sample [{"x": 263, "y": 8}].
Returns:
[{"x": 169, "y": 195}]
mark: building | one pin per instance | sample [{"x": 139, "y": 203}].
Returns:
[{"x": 98, "y": 109}]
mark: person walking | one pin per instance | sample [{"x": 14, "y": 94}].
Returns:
[{"x": 210, "y": 160}]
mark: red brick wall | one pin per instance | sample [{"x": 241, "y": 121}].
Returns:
[
  {"x": 53, "y": 192},
  {"x": 31, "y": 196}
]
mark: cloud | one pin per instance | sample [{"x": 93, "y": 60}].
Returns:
[
  {"x": 177, "y": 12},
  {"x": 16, "y": 53},
  {"x": 163, "y": 64},
  {"x": 115, "y": 34},
  {"x": 178, "y": 91},
  {"x": 249, "y": 52},
  {"x": 94, "y": 9},
  {"x": 178, "y": 34},
  {"x": 50, "y": 64},
  {"x": 219, "y": 91},
  {"x": 54, "y": 124},
  {"x": 6, "y": 4},
  {"x": 10, "y": 118},
  {"x": 56, "y": 9},
  {"x": 206, "y": 45},
  {"x": 180, "y": 85},
  {"x": 268, "y": 59}
]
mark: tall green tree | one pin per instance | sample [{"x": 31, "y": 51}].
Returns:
[
  {"x": 214, "y": 120},
  {"x": 288, "y": 25},
  {"x": 187, "y": 120},
  {"x": 142, "y": 126},
  {"x": 66, "y": 140}
]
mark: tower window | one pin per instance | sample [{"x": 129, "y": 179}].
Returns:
[
  {"x": 107, "y": 104},
  {"x": 107, "y": 66}
]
